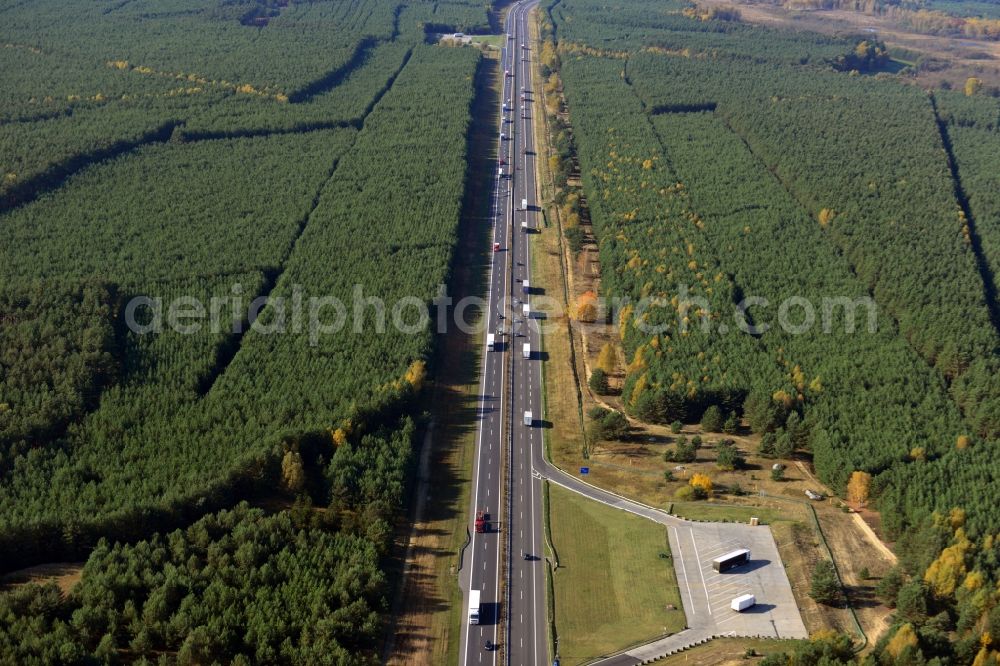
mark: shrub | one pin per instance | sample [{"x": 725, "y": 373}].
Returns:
[
  {"x": 729, "y": 457},
  {"x": 599, "y": 382},
  {"x": 702, "y": 485},
  {"x": 711, "y": 420},
  {"x": 732, "y": 424},
  {"x": 825, "y": 587}
]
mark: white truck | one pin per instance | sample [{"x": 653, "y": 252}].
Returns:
[
  {"x": 473, "y": 606},
  {"x": 743, "y": 602},
  {"x": 526, "y": 350},
  {"x": 524, "y": 204},
  {"x": 491, "y": 342},
  {"x": 528, "y": 419},
  {"x": 524, "y": 226},
  {"x": 525, "y": 287},
  {"x": 526, "y": 309}
]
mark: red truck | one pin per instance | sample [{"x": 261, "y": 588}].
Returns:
[{"x": 482, "y": 521}]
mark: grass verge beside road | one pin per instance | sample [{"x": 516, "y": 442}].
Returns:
[
  {"x": 427, "y": 625},
  {"x": 728, "y": 651},
  {"x": 612, "y": 588}
]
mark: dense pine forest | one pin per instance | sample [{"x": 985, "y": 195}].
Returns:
[
  {"x": 720, "y": 161},
  {"x": 219, "y": 152}
]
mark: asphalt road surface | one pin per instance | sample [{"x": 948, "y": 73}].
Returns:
[
  {"x": 507, "y": 441},
  {"x": 510, "y": 386}
]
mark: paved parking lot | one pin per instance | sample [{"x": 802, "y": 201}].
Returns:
[{"x": 708, "y": 594}]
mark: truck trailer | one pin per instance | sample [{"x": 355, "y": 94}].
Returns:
[
  {"x": 527, "y": 350},
  {"x": 526, "y": 287},
  {"x": 731, "y": 560},
  {"x": 743, "y": 602},
  {"x": 473, "y": 606},
  {"x": 482, "y": 521},
  {"x": 528, "y": 419},
  {"x": 491, "y": 342}
]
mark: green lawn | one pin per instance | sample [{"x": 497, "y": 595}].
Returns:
[
  {"x": 718, "y": 512},
  {"x": 496, "y": 41},
  {"x": 611, "y": 587}
]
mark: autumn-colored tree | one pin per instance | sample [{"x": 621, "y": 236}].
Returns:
[
  {"x": 638, "y": 360},
  {"x": 904, "y": 637},
  {"x": 918, "y": 453},
  {"x": 551, "y": 84},
  {"x": 962, "y": 442},
  {"x": 638, "y": 389},
  {"x": 549, "y": 57},
  {"x": 825, "y": 217},
  {"x": 986, "y": 657},
  {"x": 702, "y": 485},
  {"x": 623, "y": 320},
  {"x": 974, "y": 581},
  {"x": 554, "y": 164},
  {"x": 948, "y": 570},
  {"x": 607, "y": 360},
  {"x": 973, "y": 86},
  {"x": 586, "y": 307},
  {"x": 292, "y": 471},
  {"x": 416, "y": 374},
  {"x": 858, "y": 488}
]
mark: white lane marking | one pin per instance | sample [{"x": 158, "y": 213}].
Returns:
[{"x": 700, "y": 572}]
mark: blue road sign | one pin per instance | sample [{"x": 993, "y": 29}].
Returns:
[{"x": 584, "y": 470}]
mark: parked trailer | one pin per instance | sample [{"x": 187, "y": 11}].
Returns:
[
  {"x": 743, "y": 602},
  {"x": 730, "y": 560},
  {"x": 526, "y": 350},
  {"x": 473, "y": 606}
]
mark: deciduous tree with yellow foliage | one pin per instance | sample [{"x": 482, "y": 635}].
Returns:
[
  {"x": 607, "y": 359},
  {"x": 702, "y": 485},
  {"x": 858, "y": 488}
]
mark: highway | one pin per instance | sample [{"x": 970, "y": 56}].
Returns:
[
  {"x": 526, "y": 626},
  {"x": 510, "y": 386},
  {"x": 506, "y": 563}
]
